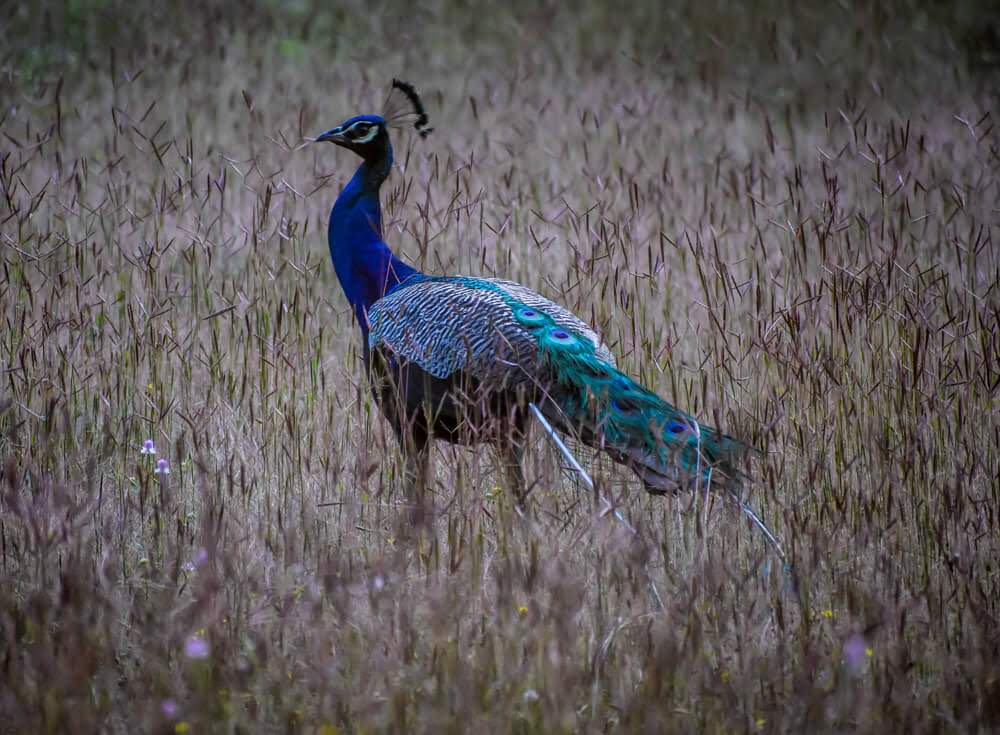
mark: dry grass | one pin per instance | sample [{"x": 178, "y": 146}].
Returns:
[{"x": 785, "y": 218}]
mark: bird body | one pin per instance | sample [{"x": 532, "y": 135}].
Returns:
[
  {"x": 460, "y": 358},
  {"x": 516, "y": 341}
]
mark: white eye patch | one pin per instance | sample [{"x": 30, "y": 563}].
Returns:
[{"x": 362, "y": 132}]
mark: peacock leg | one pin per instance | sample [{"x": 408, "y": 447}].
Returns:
[
  {"x": 416, "y": 476},
  {"x": 510, "y": 449},
  {"x": 511, "y": 458}
]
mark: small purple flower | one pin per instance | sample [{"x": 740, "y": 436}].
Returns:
[
  {"x": 855, "y": 652},
  {"x": 162, "y": 467},
  {"x": 169, "y": 708},
  {"x": 196, "y": 647},
  {"x": 199, "y": 560},
  {"x": 147, "y": 447}
]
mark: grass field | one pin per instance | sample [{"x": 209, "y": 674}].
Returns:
[{"x": 784, "y": 219}]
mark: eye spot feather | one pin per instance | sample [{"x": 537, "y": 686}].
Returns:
[{"x": 529, "y": 317}]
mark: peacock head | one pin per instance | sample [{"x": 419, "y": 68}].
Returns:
[{"x": 368, "y": 135}]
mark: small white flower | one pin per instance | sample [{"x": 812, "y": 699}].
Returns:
[
  {"x": 147, "y": 447},
  {"x": 162, "y": 467},
  {"x": 530, "y": 695},
  {"x": 378, "y": 583}
]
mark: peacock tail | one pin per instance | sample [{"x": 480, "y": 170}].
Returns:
[{"x": 506, "y": 335}]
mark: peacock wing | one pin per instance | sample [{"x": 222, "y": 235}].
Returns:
[
  {"x": 562, "y": 316},
  {"x": 446, "y": 325}
]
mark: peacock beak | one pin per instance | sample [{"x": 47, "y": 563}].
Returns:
[{"x": 333, "y": 136}]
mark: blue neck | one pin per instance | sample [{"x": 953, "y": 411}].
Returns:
[{"x": 366, "y": 268}]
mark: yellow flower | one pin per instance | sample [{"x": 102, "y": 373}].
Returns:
[
  {"x": 725, "y": 677},
  {"x": 182, "y": 727},
  {"x": 869, "y": 651},
  {"x": 522, "y": 610},
  {"x": 760, "y": 722},
  {"x": 828, "y": 614}
]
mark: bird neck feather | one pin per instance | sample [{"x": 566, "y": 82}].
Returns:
[{"x": 366, "y": 268}]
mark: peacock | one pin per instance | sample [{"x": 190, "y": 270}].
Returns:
[{"x": 463, "y": 359}]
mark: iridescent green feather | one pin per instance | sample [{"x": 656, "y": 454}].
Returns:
[{"x": 667, "y": 447}]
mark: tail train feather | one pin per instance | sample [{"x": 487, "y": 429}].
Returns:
[{"x": 668, "y": 449}]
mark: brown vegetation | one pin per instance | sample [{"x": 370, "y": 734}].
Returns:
[{"x": 784, "y": 219}]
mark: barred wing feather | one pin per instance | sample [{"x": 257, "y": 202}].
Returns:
[{"x": 450, "y": 324}]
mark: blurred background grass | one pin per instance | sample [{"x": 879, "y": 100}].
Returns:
[
  {"x": 770, "y": 48},
  {"x": 784, "y": 218}
]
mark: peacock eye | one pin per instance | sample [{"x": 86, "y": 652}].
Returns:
[{"x": 362, "y": 132}]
